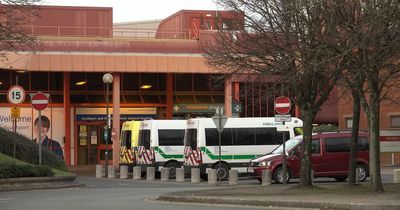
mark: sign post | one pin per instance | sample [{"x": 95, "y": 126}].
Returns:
[
  {"x": 39, "y": 102},
  {"x": 15, "y": 95},
  {"x": 219, "y": 120},
  {"x": 282, "y": 106}
]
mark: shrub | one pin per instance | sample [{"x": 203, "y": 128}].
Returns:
[
  {"x": 27, "y": 150},
  {"x": 325, "y": 128},
  {"x": 12, "y": 170}
]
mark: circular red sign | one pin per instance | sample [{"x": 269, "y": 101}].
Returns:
[
  {"x": 40, "y": 101},
  {"x": 282, "y": 105}
]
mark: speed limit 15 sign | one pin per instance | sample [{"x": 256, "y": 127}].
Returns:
[{"x": 16, "y": 94}]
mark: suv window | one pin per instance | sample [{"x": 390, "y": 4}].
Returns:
[
  {"x": 315, "y": 146},
  {"x": 342, "y": 144}
]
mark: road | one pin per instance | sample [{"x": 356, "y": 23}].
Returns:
[{"x": 98, "y": 194}]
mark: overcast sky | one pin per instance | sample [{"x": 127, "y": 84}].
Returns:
[{"x": 136, "y": 10}]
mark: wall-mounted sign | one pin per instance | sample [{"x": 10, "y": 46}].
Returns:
[{"x": 203, "y": 108}]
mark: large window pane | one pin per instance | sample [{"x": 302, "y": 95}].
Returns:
[
  {"x": 171, "y": 137},
  {"x": 243, "y": 136}
]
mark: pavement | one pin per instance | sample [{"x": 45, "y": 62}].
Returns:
[{"x": 321, "y": 196}]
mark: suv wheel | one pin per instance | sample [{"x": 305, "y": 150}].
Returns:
[
  {"x": 363, "y": 172},
  {"x": 278, "y": 175}
]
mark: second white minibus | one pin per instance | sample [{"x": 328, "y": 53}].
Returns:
[{"x": 242, "y": 139}]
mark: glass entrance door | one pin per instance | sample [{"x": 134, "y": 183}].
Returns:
[
  {"x": 88, "y": 141},
  {"x": 91, "y": 145}
]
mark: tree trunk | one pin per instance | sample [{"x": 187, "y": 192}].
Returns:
[
  {"x": 374, "y": 151},
  {"x": 354, "y": 139},
  {"x": 305, "y": 171}
]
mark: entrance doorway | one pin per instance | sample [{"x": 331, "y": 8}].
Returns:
[{"x": 91, "y": 144}]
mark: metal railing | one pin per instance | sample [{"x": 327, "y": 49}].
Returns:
[{"x": 110, "y": 32}]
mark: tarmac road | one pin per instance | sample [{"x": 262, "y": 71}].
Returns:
[{"x": 101, "y": 194}]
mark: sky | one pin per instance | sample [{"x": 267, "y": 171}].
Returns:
[{"x": 137, "y": 10}]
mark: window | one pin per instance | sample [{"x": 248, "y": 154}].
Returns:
[
  {"x": 349, "y": 122},
  {"x": 315, "y": 146},
  {"x": 342, "y": 144},
  {"x": 337, "y": 144},
  {"x": 395, "y": 121},
  {"x": 269, "y": 136},
  {"x": 126, "y": 139},
  {"x": 191, "y": 138},
  {"x": 171, "y": 137},
  {"x": 244, "y": 136},
  {"x": 212, "y": 137},
  {"x": 144, "y": 138},
  {"x": 226, "y": 137}
]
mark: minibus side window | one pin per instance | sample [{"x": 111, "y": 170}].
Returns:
[
  {"x": 269, "y": 136},
  {"x": 169, "y": 137},
  {"x": 126, "y": 139},
  {"x": 244, "y": 136},
  {"x": 144, "y": 138},
  {"x": 211, "y": 136},
  {"x": 191, "y": 138}
]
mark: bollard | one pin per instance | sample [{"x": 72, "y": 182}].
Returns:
[
  {"x": 233, "y": 177},
  {"x": 137, "y": 173},
  {"x": 165, "y": 174},
  {"x": 180, "y": 175},
  {"x": 99, "y": 171},
  {"x": 195, "y": 175},
  {"x": 111, "y": 171},
  {"x": 312, "y": 176},
  {"x": 123, "y": 172},
  {"x": 357, "y": 180},
  {"x": 212, "y": 177},
  {"x": 150, "y": 173},
  {"x": 266, "y": 177},
  {"x": 396, "y": 176}
]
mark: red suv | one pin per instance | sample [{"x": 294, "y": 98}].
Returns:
[{"x": 329, "y": 158}]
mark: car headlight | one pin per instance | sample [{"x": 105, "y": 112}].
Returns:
[{"x": 265, "y": 163}]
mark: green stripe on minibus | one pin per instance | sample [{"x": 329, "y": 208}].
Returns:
[
  {"x": 226, "y": 157},
  {"x": 162, "y": 153}
]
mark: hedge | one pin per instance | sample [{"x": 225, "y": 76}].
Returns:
[
  {"x": 13, "y": 170},
  {"x": 27, "y": 150}
]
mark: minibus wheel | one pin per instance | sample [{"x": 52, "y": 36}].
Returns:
[
  {"x": 278, "y": 175},
  {"x": 172, "y": 165},
  {"x": 223, "y": 172},
  {"x": 363, "y": 172}
]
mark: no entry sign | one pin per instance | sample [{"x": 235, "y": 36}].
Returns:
[
  {"x": 39, "y": 101},
  {"x": 282, "y": 105}
]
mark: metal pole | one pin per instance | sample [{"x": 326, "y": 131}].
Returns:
[
  {"x": 284, "y": 164},
  {"x": 219, "y": 142},
  {"x": 15, "y": 122},
  {"x": 40, "y": 136},
  {"x": 107, "y": 126}
]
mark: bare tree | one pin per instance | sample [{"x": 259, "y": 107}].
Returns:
[
  {"x": 14, "y": 15},
  {"x": 289, "y": 40},
  {"x": 371, "y": 28}
]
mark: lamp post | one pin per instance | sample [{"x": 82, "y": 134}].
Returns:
[{"x": 107, "y": 79}]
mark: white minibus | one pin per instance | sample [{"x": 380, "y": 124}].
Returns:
[
  {"x": 242, "y": 139},
  {"x": 161, "y": 144}
]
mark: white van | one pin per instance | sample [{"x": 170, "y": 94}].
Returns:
[
  {"x": 242, "y": 139},
  {"x": 161, "y": 144}
]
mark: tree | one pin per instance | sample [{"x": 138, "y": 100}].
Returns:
[
  {"x": 292, "y": 41},
  {"x": 371, "y": 28},
  {"x": 14, "y": 15}
]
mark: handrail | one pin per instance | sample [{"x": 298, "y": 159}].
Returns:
[{"x": 110, "y": 32}]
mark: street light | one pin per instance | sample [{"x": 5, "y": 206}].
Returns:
[{"x": 107, "y": 79}]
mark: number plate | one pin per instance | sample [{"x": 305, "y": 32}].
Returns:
[{"x": 250, "y": 170}]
